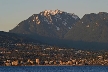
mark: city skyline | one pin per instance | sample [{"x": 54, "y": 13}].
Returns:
[{"x": 13, "y": 12}]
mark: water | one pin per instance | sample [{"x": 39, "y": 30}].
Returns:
[{"x": 55, "y": 69}]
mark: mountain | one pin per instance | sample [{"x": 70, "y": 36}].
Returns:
[
  {"x": 90, "y": 32},
  {"x": 91, "y": 28},
  {"x": 7, "y": 39},
  {"x": 48, "y": 23},
  {"x": 67, "y": 30}
]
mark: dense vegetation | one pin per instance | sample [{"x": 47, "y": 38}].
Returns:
[{"x": 7, "y": 39}]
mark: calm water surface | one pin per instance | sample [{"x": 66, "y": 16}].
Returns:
[{"x": 55, "y": 69}]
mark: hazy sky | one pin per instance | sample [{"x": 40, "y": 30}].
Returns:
[{"x": 13, "y": 12}]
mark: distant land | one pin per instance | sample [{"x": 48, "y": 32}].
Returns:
[
  {"x": 55, "y": 37},
  {"x": 19, "y": 50},
  {"x": 64, "y": 29}
]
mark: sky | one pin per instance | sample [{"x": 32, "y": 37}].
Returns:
[{"x": 12, "y": 12}]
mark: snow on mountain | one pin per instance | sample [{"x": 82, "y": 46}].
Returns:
[
  {"x": 51, "y": 23},
  {"x": 57, "y": 28}
]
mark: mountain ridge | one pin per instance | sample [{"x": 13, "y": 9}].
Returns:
[
  {"x": 64, "y": 29},
  {"x": 49, "y": 24},
  {"x": 92, "y": 27}
]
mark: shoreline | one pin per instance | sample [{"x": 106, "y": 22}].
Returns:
[{"x": 53, "y": 65}]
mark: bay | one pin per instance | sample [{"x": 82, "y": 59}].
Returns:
[{"x": 54, "y": 69}]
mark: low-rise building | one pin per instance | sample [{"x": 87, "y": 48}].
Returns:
[{"x": 15, "y": 63}]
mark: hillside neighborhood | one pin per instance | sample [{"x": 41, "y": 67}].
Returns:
[{"x": 35, "y": 54}]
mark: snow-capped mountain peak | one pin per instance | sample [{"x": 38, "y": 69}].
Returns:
[
  {"x": 52, "y": 12},
  {"x": 50, "y": 23}
]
